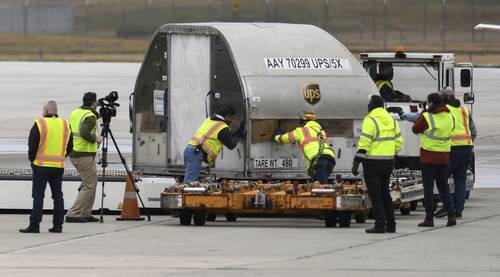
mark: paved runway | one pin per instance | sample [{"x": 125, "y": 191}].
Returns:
[{"x": 258, "y": 247}]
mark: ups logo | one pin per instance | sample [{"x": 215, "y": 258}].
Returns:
[{"x": 312, "y": 93}]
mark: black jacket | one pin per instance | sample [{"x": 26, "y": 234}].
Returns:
[
  {"x": 388, "y": 93},
  {"x": 34, "y": 141}
]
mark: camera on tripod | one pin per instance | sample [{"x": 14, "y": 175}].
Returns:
[{"x": 108, "y": 105}]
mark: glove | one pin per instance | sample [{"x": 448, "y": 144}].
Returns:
[
  {"x": 355, "y": 166},
  {"x": 401, "y": 115},
  {"x": 242, "y": 130},
  {"x": 278, "y": 131}
]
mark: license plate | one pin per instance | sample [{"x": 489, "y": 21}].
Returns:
[{"x": 276, "y": 163}]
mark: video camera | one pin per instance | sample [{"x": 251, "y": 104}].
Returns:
[{"x": 108, "y": 105}]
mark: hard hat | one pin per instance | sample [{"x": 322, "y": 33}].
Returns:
[{"x": 310, "y": 116}]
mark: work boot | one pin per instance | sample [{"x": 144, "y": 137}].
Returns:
[
  {"x": 428, "y": 222},
  {"x": 56, "y": 229},
  {"x": 442, "y": 212},
  {"x": 92, "y": 219},
  {"x": 458, "y": 215},
  {"x": 31, "y": 229},
  {"x": 70, "y": 219},
  {"x": 452, "y": 221},
  {"x": 375, "y": 230},
  {"x": 391, "y": 228}
]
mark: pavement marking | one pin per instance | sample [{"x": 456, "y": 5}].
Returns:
[
  {"x": 246, "y": 266},
  {"x": 77, "y": 238}
]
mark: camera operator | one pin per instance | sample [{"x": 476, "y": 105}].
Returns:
[{"x": 83, "y": 122}]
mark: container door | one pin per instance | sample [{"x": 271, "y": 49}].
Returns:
[{"x": 189, "y": 84}]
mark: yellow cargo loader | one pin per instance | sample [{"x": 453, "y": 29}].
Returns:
[{"x": 335, "y": 203}]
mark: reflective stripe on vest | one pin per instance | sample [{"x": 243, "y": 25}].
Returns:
[
  {"x": 54, "y": 137},
  {"x": 203, "y": 141},
  {"x": 76, "y": 119},
  {"x": 438, "y": 136},
  {"x": 461, "y": 134},
  {"x": 378, "y": 136},
  {"x": 381, "y": 83}
]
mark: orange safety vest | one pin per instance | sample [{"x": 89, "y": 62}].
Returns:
[
  {"x": 461, "y": 134},
  {"x": 54, "y": 138}
]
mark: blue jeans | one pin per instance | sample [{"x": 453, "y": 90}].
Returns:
[
  {"x": 460, "y": 159},
  {"x": 193, "y": 158},
  {"x": 40, "y": 179},
  {"x": 323, "y": 170}
]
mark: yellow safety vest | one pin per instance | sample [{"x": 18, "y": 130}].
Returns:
[
  {"x": 76, "y": 118},
  {"x": 381, "y": 83},
  {"x": 438, "y": 136},
  {"x": 461, "y": 134},
  {"x": 206, "y": 137},
  {"x": 380, "y": 136},
  {"x": 54, "y": 137},
  {"x": 309, "y": 138}
]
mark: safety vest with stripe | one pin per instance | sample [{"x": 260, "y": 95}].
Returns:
[
  {"x": 381, "y": 83},
  {"x": 461, "y": 134},
  {"x": 206, "y": 138},
  {"x": 309, "y": 138},
  {"x": 380, "y": 136},
  {"x": 437, "y": 137},
  {"x": 54, "y": 137},
  {"x": 76, "y": 119}
]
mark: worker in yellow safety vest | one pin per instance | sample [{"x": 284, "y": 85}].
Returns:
[
  {"x": 383, "y": 81},
  {"x": 49, "y": 143},
  {"x": 461, "y": 153},
  {"x": 435, "y": 126},
  {"x": 379, "y": 142},
  {"x": 207, "y": 142},
  {"x": 312, "y": 139},
  {"x": 83, "y": 121}
]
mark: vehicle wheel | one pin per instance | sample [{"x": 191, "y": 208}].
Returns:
[
  {"x": 405, "y": 211},
  {"x": 467, "y": 194},
  {"x": 344, "y": 219},
  {"x": 211, "y": 217},
  {"x": 370, "y": 214},
  {"x": 414, "y": 205},
  {"x": 360, "y": 218},
  {"x": 231, "y": 217},
  {"x": 199, "y": 217},
  {"x": 330, "y": 219},
  {"x": 185, "y": 217}
]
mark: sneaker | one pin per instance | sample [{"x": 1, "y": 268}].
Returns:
[
  {"x": 375, "y": 230},
  {"x": 428, "y": 222},
  {"x": 31, "y": 229},
  {"x": 70, "y": 219},
  {"x": 92, "y": 219},
  {"x": 57, "y": 229},
  {"x": 441, "y": 213}
]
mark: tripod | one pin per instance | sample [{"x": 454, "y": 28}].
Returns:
[{"x": 106, "y": 130}]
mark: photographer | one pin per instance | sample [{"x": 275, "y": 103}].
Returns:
[{"x": 83, "y": 122}]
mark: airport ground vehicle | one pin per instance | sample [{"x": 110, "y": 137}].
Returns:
[
  {"x": 271, "y": 73},
  {"x": 437, "y": 70}
]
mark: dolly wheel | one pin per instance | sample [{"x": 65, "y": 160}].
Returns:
[
  {"x": 330, "y": 219},
  {"x": 413, "y": 205},
  {"x": 185, "y": 216},
  {"x": 231, "y": 217},
  {"x": 199, "y": 217},
  {"x": 344, "y": 219},
  {"x": 211, "y": 217},
  {"x": 405, "y": 211},
  {"x": 360, "y": 218}
]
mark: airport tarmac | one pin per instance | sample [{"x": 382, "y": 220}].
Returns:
[
  {"x": 258, "y": 247},
  {"x": 251, "y": 246}
]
